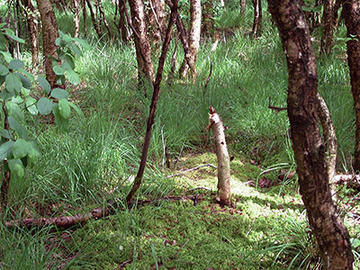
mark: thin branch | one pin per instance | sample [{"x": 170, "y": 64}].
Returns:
[
  {"x": 276, "y": 109},
  {"x": 208, "y": 78}
]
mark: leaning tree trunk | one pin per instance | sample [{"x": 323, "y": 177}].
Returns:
[
  {"x": 328, "y": 26},
  {"x": 256, "y": 29},
  {"x": 351, "y": 13},
  {"x": 194, "y": 39},
  {"x": 50, "y": 34},
  {"x": 32, "y": 19},
  {"x": 309, "y": 150},
  {"x": 142, "y": 44}
]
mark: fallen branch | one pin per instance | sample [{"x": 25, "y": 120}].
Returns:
[
  {"x": 192, "y": 169},
  {"x": 64, "y": 222}
]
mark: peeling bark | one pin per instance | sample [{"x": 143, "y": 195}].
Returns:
[
  {"x": 332, "y": 237},
  {"x": 50, "y": 34},
  {"x": 32, "y": 24},
  {"x": 76, "y": 18},
  {"x": 193, "y": 39},
  {"x": 142, "y": 44},
  {"x": 328, "y": 26},
  {"x": 222, "y": 155},
  {"x": 351, "y": 14}
]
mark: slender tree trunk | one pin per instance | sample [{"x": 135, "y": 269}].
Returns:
[
  {"x": 6, "y": 174},
  {"x": 222, "y": 155},
  {"x": 122, "y": 21},
  {"x": 309, "y": 150},
  {"x": 242, "y": 7},
  {"x": 94, "y": 20},
  {"x": 256, "y": 29},
  {"x": 194, "y": 39},
  {"x": 102, "y": 18},
  {"x": 328, "y": 26},
  {"x": 50, "y": 34},
  {"x": 32, "y": 24},
  {"x": 142, "y": 44},
  {"x": 351, "y": 14},
  {"x": 76, "y": 17},
  {"x": 155, "y": 18},
  {"x": 155, "y": 98},
  {"x": 84, "y": 16}
]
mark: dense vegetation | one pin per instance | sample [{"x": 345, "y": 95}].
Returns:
[{"x": 96, "y": 159}]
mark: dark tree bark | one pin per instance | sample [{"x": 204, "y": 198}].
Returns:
[
  {"x": 32, "y": 24},
  {"x": 6, "y": 174},
  {"x": 309, "y": 150},
  {"x": 122, "y": 21},
  {"x": 102, "y": 18},
  {"x": 142, "y": 44},
  {"x": 50, "y": 34},
  {"x": 94, "y": 20},
  {"x": 84, "y": 16},
  {"x": 328, "y": 26},
  {"x": 351, "y": 14},
  {"x": 193, "y": 39},
  {"x": 256, "y": 29},
  {"x": 155, "y": 98}
]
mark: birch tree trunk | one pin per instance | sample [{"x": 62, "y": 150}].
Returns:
[
  {"x": 256, "y": 29},
  {"x": 142, "y": 44},
  {"x": 50, "y": 34},
  {"x": 222, "y": 155},
  {"x": 328, "y": 26},
  {"x": 351, "y": 14},
  {"x": 332, "y": 237},
  {"x": 194, "y": 39}
]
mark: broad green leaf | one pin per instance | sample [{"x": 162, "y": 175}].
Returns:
[
  {"x": 59, "y": 93},
  {"x": 15, "y": 125},
  {"x": 58, "y": 42},
  {"x": 2, "y": 25},
  {"x": 25, "y": 92},
  {"x": 5, "y": 149},
  {"x": 83, "y": 43},
  {"x": 31, "y": 105},
  {"x": 68, "y": 63},
  {"x": 27, "y": 74},
  {"x": 58, "y": 70},
  {"x": 10, "y": 33},
  {"x": 21, "y": 148},
  {"x": 44, "y": 105},
  {"x": 2, "y": 79},
  {"x": 5, "y": 133},
  {"x": 34, "y": 154},
  {"x": 7, "y": 56},
  {"x": 62, "y": 123},
  {"x": 14, "y": 110},
  {"x": 16, "y": 64},
  {"x": 17, "y": 99},
  {"x": 72, "y": 77},
  {"x": 77, "y": 109},
  {"x": 3, "y": 70},
  {"x": 64, "y": 108},
  {"x": 45, "y": 85},
  {"x": 25, "y": 81},
  {"x": 13, "y": 83},
  {"x": 75, "y": 49},
  {"x": 17, "y": 168}
]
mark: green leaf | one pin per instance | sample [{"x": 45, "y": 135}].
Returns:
[
  {"x": 15, "y": 125},
  {"x": 62, "y": 123},
  {"x": 14, "y": 110},
  {"x": 25, "y": 92},
  {"x": 31, "y": 105},
  {"x": 5, "y": 133},
  {"x": 7, "y": 56},
  {"x": 5, "y": 149},
  {"x": 58, "y": 42},
  {"x": 13, "y": 83},
  {"x": 77, "y": 109},
  {"x": 64, "y": 108},
  {"x": 34, "y": 154},
  {"x": 44, "y": 105},
  {"x": 73, "y": 77},
  {"x": 2, "y": 79},
  {"x": 45, "y": 85},
  {"x": 10, "y": 33},
  {"x": 3, "y": 70},
  {"x": 75, "y": 49},
  {"x": 84, "y": 44},
  {"x": 17, "y": 168},
  {"x": 59, "y": 93},
  {"x": 16, "y": 64},
  {"x": 58, "y": 70},
  {"x": 21, "y": 148},
  {"x": 27, "y": 74},
  {"x": 25, "y": 81}
]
